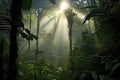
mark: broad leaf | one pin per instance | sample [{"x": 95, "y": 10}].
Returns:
[
  {"x": 24, "y": 35},
  {"x": 34, "y": 36},
  {"x": 27, "y": 31},
  {"x": 115, "y": 68}
]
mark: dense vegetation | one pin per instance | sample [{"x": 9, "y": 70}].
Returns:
[{"x": 93, "y": 52}]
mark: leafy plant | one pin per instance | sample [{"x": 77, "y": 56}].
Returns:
[
  {"x": 83, "y": 55},
  {"x": 28, "y": 35}
]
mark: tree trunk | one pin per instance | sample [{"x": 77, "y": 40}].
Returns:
[
  {"x": 70, "y": 38},
  {"x": 1, "y": 59},
  {"x": 16, "y": 20},
  {"x": 70, "y": 22},
  {"x": 30, "y": 31},
  {"x": 38, "y": 25}
]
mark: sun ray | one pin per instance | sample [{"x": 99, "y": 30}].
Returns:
[
  {"x": 47, "y": 24},
  {"x": 79, "y": 14},
  {"x": 56, "y": 27}
]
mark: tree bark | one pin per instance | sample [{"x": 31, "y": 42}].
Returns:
[
  {"x": 70, "y": 22},
  {"x": 70, "y": 38},
  {"x": 1, "y": 59},
  {"x": 29, "y": 44},
  {"x": 16, "y": 16},
  {"x": 38, "y": 25}
]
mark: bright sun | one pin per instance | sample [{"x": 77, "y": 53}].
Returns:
[{"x": 63, "y": 6}]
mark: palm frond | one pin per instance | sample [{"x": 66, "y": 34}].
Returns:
[
  {"x": 88, "y": 7},
  {"x": 99, "y": 10},
  {"x": 93, "y": 13}
]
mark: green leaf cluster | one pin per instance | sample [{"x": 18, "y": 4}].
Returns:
[{"x": 28, "y": 35}]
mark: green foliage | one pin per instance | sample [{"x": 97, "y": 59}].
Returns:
[
  {"x": 104, "y": 64},
  {"x": 43, "y": 69},
  {"x": 106, "y": 22},
  {"x": 94, "y": 13},
  {"x": 26, "y": 71},
  {"x": 115, "y": 71},
  {"x": 83, "y": 55},
  {"x": 93, "y": 56},
  {"x": 27, "y": 4},
  {"x": 106, "y": 61},
  {"x": 100, "y": 10},
  {"x": 28, "y": 35}
]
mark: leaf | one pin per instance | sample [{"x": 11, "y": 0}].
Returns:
[
  {"x": 88, "y": 7},
  {"x": 30, "y": 66},
  {"x": 27, "y": 4},
  {"x": 20, "y": 73},
  {"x": 53, "y": 1},
  {"x": 27, "y": 31},
  {"x": 93, "y": 13},
  {"x": 24, "y": 35},
  {"x": 45, "y": 68},
  {"x": 30, "y": 37},
  {"x": 102, "y": 77},
  {"x": 34, "y": 36},
  {"x": 115, "y": 68}
]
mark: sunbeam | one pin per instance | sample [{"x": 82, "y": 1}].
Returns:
[
  {"x": 47, "y": 24},
  {"x": 79, "y": 14},
  {"x": 56, "y": 27},
  {"x": 62, "y": 30},
  {"x": 64, "y": 5}
]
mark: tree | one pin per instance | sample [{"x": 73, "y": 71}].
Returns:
[
  {"x": 1, "y": 59},
  {"x": 16, "y": 22},
  {"x": 70, "y": 15}
]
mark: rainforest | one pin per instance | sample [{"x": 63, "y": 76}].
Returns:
[{"x": 59, "y": 40}]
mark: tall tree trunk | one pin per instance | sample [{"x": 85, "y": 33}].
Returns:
[
  {"x": 30, "y": 31},
  {"x": 16, "y": 16},
  {"x": 38, "y": 25},
  {"x": 70, "y": 38},
  {"x": 1, "y": 59},
  {"x": 70, "y": 23},
  {"x": 34, "y": 70},
  {"x": 37, "y": 43}
]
